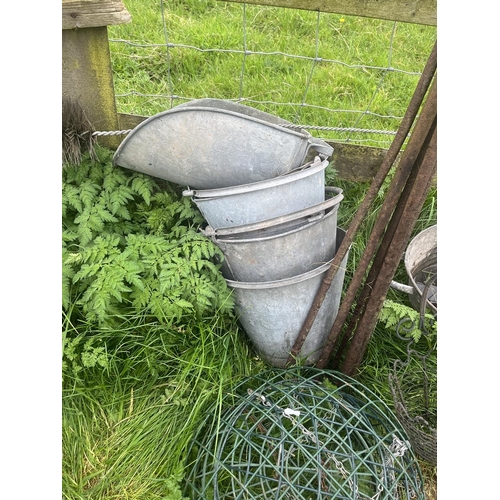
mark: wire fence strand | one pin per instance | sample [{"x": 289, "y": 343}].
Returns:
[{"x": 349, "y": 132}]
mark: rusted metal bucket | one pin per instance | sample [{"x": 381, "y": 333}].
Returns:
[
  {"x": 272, "y": 313},
  {"x": 420, "y": 262},
  {"x": 281, "y": 247},
  {"x": 258, "y": 201},
  {"x": 215, "y": 144}
]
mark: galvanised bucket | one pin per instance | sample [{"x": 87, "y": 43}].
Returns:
[
  {"x": 282, "y": 247},
  {"x": 420, "y": 261},
  {"x": 272, "y": 313},
  {"x": 258, "y": 201},
  {"x": 211, "y": 144}
]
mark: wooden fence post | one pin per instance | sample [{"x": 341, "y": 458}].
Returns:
[{"x": 87, "y": 76}]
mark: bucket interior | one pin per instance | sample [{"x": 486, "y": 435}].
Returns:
[
  {"x": 421, "y": 267},
  {"x": 423, "y": 274}
]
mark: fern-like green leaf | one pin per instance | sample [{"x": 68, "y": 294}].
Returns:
[
  {"x": 101, "y": 247},
  {"x": 71, "y": 198},
  {"x": 113, "y": 178},
  {"x": 68, "y": 236},
  {"x": 67, "y": 278},
  {"x": 95, "y": 223},
  {"x": 86, "y": 271},
  {"x": 84, "y": 229},
  {"x": 141, "y": 296},
  {"x": 144, "y": 187},
  {"x": 122, "y": 212},
  {"x": 405, "y": 320},
  {"x": 95, "y": 301},
  {"x": 104, "y": 214},
  {"x": 119, "y": 198},
  {"x": 72, "y": 258},
  {"x": 88, "y": 193}
]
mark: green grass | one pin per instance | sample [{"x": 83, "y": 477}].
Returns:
[
  {"x": 129, "y": 414},
  {"x": 275, "y": 83},
  {"x": 126, "y": 426}
]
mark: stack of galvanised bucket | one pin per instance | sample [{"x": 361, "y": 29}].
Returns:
[{"x": 260, "y": 185}]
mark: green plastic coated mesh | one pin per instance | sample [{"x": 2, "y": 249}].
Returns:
[{"x": 301, "y": 433}]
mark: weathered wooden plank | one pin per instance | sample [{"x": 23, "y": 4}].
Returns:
[
  {"x": 129, "y": 121},
  {"x": 408, "y": 11},
  {"x": 93, "y": 13},
  {"x": 354, "y": 162},
  {"x": 351, "y": 162}
]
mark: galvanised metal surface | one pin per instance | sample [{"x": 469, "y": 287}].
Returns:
[
  {"x": 258, "y": 201},
  {"x": 272, "y": 312},
  {"x": 278, "y": 250},
  {"x": 207, "y": 147},
  {"x": 420, "y": 262},
  {"x": 421, "y": 266}
]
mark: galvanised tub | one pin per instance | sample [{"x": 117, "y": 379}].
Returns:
[
  {"x": 281, "y": 247},
  {"x": 210, "y": 143},
  {"x": 258, "y": 201},
  {"x": 272, "y": 313}
]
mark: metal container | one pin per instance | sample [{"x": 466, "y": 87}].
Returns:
[
  {"x": 420, "y": 262},
  {"x": 258, "y": 201},
  {"x": 215, "y": 144},
  {"x": 281, "y": 247},
  {"x": 272, "y": 313},
  {"x": 235, "y": 107}
]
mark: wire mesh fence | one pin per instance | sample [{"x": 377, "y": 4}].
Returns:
[{"x": 347, "y": 78}]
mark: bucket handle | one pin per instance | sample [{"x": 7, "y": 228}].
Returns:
[
  {"x": 410, "y": 290},
  {"x": 402, "y": 288},
  {"x": 323, "y": 148}
]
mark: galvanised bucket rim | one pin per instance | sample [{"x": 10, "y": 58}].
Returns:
[
  {"x": 237, "y": 107},
  {"x": 228, "y": 107},
  {"x": 306, "y": 170},
  {"x": 306, "y": 214},
  {"x": 280, "y": 251},
  {"x": 280, "y": 283},
  {"x": 184, "y": 108}
]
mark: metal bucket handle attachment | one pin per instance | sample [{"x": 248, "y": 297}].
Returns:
[{"x": 323, "y": 148}]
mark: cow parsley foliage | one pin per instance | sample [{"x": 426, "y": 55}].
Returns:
[{"x": 131, "y": 245}]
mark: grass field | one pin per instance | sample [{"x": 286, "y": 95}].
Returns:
[
  {"x": 349, "y": 87},
  {"x": 135, "y": 389}
]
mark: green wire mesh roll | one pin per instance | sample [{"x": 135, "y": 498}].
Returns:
[{"x": 302, "y": 434}]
